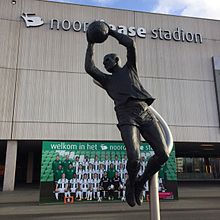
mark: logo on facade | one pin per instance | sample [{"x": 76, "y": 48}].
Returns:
[
  {"x": 104, "y": 147},
  {"x": 31, "y": 20}
]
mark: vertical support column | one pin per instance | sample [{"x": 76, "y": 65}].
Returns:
[
  {"x": 154, "y": 198},
  {"x": 10, "y": 166},
  {"x": 29, "y": 178}
]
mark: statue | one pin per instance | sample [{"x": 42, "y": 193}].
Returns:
[{"x": 132, "y": 101}]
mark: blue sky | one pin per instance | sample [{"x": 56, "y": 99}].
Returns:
[
  {"x": 193, "y": 8},
  {"x": 136, "y": 5}
]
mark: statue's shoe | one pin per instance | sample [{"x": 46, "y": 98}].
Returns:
[
  {"x": 129, "y": 194},
  {"x": 139, "y": 192}
]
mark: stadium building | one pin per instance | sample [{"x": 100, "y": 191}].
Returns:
[{"x": 45, "y": 94}]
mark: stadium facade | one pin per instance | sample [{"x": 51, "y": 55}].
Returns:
[{"x": 46, "y": 94}]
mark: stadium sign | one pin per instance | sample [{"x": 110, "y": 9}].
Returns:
[{"x": 178, "y": 34}]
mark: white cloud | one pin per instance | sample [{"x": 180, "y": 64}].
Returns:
[
  {"x": 194, "y": 8},
  {"x": 105, "y": 2}
]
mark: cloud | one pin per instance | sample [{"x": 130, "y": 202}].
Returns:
[
  {"x": 194, "y": 8},
  {"x": 105, "y": 2}
]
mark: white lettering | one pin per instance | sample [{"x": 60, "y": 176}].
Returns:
[
  {"x": 63, "y": 146},
  {"x": 154, "y": 33},
  {"x": 189, "y": 37},
  {"x": 85, "y": 26},
  {"x": 131, "y": 31},
  {"x": 52, "y": 21},
  {"x": 77, "y": 26},
  {"x": 141, "y": 32},
  {"x": 67, "y": 26},
  {"x": 198, "y": 37},
  {"x": 167, "y": 35},
  {"x": 117, "y": 147},
  {"x": 122, "y": 30},
  {"x": 177, "y": 34},
  {"x": 113, "y": 27}
]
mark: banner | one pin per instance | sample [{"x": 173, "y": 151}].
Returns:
[{"x": 95, "y": 171}]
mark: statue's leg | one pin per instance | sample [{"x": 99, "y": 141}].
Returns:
[
  {"x": 131, "y": 138},
  {"x": 153, "y": 134}
]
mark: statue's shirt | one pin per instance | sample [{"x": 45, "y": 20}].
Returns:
[
  {"x": 130, "y": 98},
  {"x": 124, "y": 85}
]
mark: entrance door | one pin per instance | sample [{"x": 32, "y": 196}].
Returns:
[{"x": 28, "y": 163}]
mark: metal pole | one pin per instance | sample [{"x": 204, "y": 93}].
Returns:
[
  {"x": 154, "y": 199},
  {"x": 154, "y": 195}
]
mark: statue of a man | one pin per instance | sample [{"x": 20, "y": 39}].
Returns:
[{"x": 135, "y": 118}]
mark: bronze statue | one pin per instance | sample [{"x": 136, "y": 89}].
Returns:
[{"x": 132, "y": 102}]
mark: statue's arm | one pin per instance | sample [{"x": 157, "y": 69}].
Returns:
[
  {"x": 90, "y": 67},
  {"x": 128, "y": 43}
]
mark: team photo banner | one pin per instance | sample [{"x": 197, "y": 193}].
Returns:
[{"x": 95, "y": 171}]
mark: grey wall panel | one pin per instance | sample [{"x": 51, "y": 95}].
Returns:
[
  {"x": 210, "y": 28},
  {"x": 9, "y": 11},
  {"x": 67, "y": 97},
  {"x": 61, "y": 97},
  {"x": 195, "y": 134},
  {"x": 168, "y": 59},
  {"x": 44, "y": 49},
  {"x": 184, "y": 103},
  {"x": 7, "y": 89},
  {"x": 215, "y": 45},
  {"x": 54, "y": 50},
  {"x": 8, "y": 43},
  {"x": 5, "y": 130},
  {"x": 62, "y": 131},
  {"x": 171, "y": 59}
]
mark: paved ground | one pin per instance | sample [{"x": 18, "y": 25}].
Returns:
[{"x": 195, "y": 200}]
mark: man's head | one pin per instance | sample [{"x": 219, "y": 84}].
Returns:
[
  {"x": 111, "y": 62},
  {"x": 70, "y": 166},
  {"x": 77, "y": 158},
  {"x": 121, "y": 166},
  {"x": 111, "y": 166}
]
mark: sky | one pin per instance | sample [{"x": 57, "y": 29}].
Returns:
[{"x": 193, "y": 8}]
